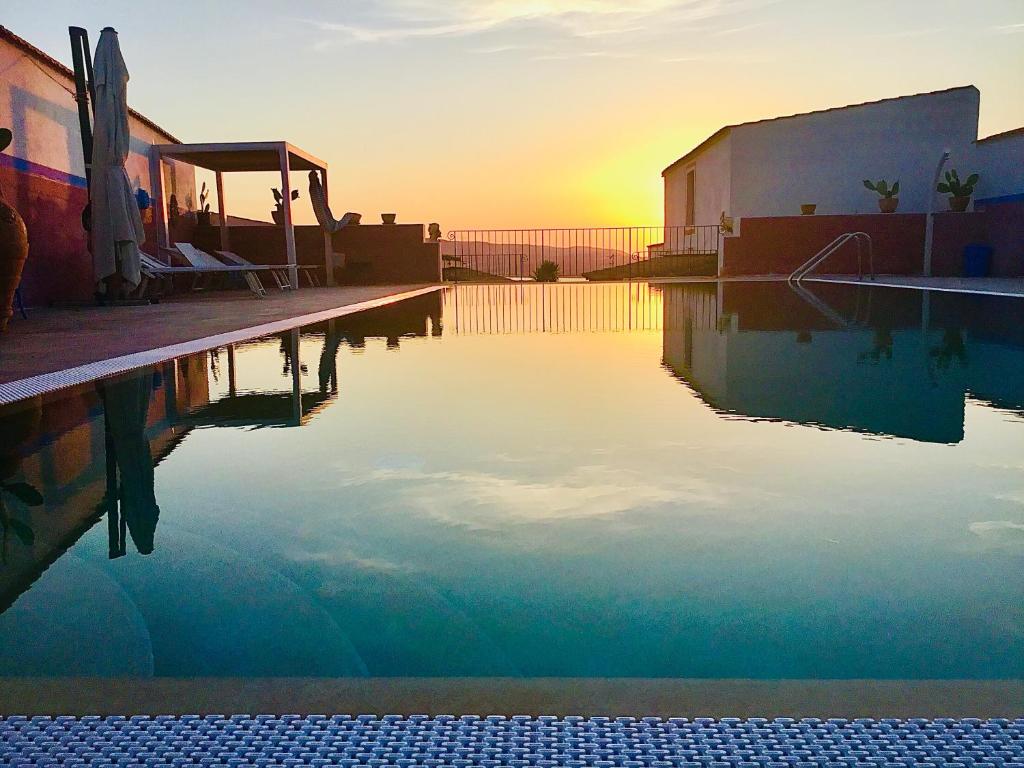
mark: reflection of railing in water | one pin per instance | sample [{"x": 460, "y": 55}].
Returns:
[
  {"x": 515, "y": 254},
  {"x": 555, "y": 308}
]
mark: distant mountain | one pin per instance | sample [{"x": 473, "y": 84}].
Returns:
[{"x": 521, "y": 259}]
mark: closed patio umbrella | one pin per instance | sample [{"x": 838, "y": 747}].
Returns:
[{"x": 116, "y": 223}]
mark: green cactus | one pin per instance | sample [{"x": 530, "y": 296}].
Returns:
[
  {"x": 956, "y": 188},
  {"x": 882, "y": 188},
  {"x": 6, "y": 137},
  {"x": 279, "y": 198}
]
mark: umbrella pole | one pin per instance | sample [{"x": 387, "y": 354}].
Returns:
[{"x": 84, "y": 93}]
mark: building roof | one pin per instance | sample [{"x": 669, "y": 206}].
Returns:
[
  {"x": 1003, "y": 135},
  {"x": 63, "y": 69},
  {"x": 233, "y": 156},
  {"x": 724, "y": 131}
]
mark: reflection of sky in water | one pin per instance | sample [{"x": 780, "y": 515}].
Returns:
[{"x": 561, "y": 504}]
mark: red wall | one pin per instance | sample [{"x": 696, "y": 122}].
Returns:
[
  {"x": 778, "y": 245},
  {"x": 1006, "y": 236},
  {"x": 59, "y": 266}
]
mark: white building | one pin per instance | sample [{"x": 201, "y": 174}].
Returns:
[{"x": 771, "y": 167}]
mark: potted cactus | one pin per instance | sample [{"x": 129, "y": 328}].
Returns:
[
  {"x": 959, "y": 191},
  {"x": 278, "y": 213},
  {"x": 203, "y": 212},
  {"x": 13, "y": 246},
  {"x": 888, "y": 199}
]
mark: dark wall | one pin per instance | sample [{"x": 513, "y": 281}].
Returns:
[
  {"x": 373, "y": 253},
  {"x": 778, "y": 245},
  {"x": 265, "y": 244},
  {"x": 381, "y": 253},
  {"x": 1005, "y": 222}
]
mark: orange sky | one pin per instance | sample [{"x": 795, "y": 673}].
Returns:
[{"x": 527, "y": 113}]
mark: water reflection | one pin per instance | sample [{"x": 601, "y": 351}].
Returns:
[
  {"x": 130, "y": 498},
  {"x": 552, "y": 308},
  {"x": 94, "y": 449},
  {"x": 886, "y": 362},
  {"x": 536, "y": 493}
]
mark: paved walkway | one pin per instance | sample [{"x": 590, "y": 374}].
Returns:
[
  {"x": 56, "y": 339},
  {"x": 997, "y": 286},
  {"x": 662, "y": 697}
]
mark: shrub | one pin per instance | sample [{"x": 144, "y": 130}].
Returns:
[{"x": 546, "y": 272}]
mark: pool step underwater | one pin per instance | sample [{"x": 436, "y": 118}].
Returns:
[{"x": 443, "y": 741}]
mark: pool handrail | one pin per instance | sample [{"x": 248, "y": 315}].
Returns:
[{"x": 817, "y": 259}]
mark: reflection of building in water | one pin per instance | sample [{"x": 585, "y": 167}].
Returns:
[
  {"x": 760, "y": 350},
  {"x": 66, "y": 457},
  {"x": 555, "y": 308},
  {"x": 91, "y": 450}
]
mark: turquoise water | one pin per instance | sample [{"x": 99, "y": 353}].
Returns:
[{"x": 566, "y": 480}]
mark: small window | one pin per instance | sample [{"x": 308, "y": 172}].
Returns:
[{"x": 691, "y": 193}]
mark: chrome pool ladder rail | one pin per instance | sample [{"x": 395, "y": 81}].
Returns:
[{"x": 817, "y": 259}]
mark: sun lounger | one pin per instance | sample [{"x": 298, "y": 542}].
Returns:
[
  {"x": 207, "y": 264},
  {"x": 153, "y": 268},
  {"x": 279, "y": 273}
]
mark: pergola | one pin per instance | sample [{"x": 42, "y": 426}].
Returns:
[{"x": 241, "y": 157}]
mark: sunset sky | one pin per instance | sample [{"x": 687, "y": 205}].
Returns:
[{"x": 500, "y": 113}]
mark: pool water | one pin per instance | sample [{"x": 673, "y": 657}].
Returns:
[{"x": 573, "y": 480}]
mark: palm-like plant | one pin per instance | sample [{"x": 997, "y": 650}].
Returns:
[{"x": 28, "y": 496}]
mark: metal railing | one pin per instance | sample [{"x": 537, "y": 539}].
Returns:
[
  {"x": 601, "y": 253},
  {"x": 521, "y": 308},
  {"x": 860, "y": 238}
]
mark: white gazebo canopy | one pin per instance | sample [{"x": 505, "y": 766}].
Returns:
[{"x": 241, "y": 157}]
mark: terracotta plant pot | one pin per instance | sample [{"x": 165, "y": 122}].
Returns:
[
  {"x": 388, "y": 218},
  {"x": 278, "y": 216},
  {"x": 807, "y": 209},
  {"x": 959, "y": 203},
  {"x": 203, "y": 218},
  {"x": 13, "y": 252},
  {"x": 888, "y": 204}
]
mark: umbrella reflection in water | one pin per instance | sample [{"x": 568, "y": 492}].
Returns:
[{"x": 130, "y": 499}]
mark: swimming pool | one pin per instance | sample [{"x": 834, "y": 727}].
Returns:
[{"x": 727, "y": 480}]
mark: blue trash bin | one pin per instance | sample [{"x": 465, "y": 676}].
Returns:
[{"x": 977, "y": 260}]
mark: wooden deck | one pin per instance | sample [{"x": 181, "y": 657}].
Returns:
[{"x": 57, "y": 339}]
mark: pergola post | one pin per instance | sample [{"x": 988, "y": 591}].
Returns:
[
  {"x": 156, "y": 172},
  {"x": 225, "y": 236},
  {"x": 328, "y": 241},
  {"x": 289, "y": 230},
  {"x": 293, "y": 344}
]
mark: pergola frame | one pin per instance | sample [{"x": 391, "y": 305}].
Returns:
[{"x": 240, "y": 157}]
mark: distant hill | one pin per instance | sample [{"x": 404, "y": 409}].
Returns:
[{"x": 521, "y": 259}]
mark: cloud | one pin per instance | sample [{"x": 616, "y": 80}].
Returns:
[
  {"x": 737, "y": 30},
  {"x": 999, "y": 532},
  {"x": 907, "y": 34},
  {"x": 346, "y": 558},
  {"x": 403, "y": 20},
  {"x": 584, "y": 55},
  {"x": 1008, "y": 29},
  {"x": 487, "y": 50},
  {"x": 486, "y": 501}
]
